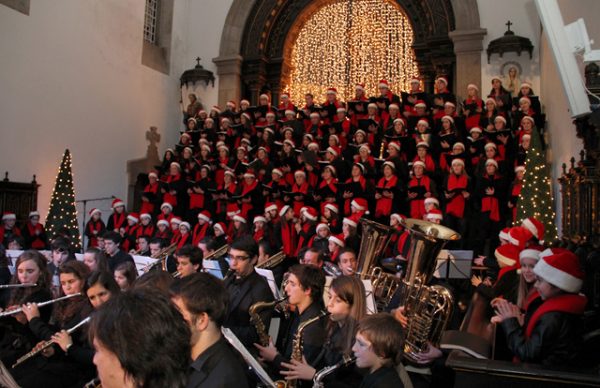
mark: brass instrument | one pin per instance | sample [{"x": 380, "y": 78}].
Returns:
[
  {"x": 261, "y": 329},
  {"x": 375, "y": 238},
  {"x": 47, "y": 344},
  {"x": 272, "y": 261},
  {"x": 427, "y": 308},
  {"x": 331, "y": 269},
  {"x": 381, "y": 149},
  {"x": 17, "y": 285},
  {"x": 320, "y": 375},
  {"x": 95, "y": 383},
  {"x": 218, "y": 253},
  {"x": 41, "y": 304},
  {"x": 162, "y": 258},
  {"x": 297, "y": 347}
]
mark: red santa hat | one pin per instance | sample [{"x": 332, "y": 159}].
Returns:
[
  {"x": 185, "y": 224},
  {"x": 300, "y": 172},
  {"x": 384, "y": 84},
  {"x": 244, "y": 102},
  {"x": 529, "y": 254},
  {"x": 400, "y": 120},
  {"x": 270, "y": 206},
  {"x": 562, "y": 270},
  {"x": 284, "y": 210},
  {"x": 336, "y": 138},
  {"x": 176, "y": 221},
  {"x": 154, "y": 174},
  {"x": 434, "y": 214},
  {"x": 450, "y": 103},
  {"x": 230, "y": 173},
  {"x": 420, "y": 104},
  {"x": 239, "y": 218},
  {"x": 341, "y": 109},
  {"x": 397, "y": 217},
  {"x": 289, "y": 112},
  {"x": 270, "y": 130},
  {"x": 133, "y": 217},
  {"x": 423, "y": 122},
  {"x": 528, "y": 118},
  {"x": 350, "y": 221},
  {"x": 552, "y": 251},
  {"x": 259, "y": 219},
  {"x": 432, "y": 201},
  {"x": 360, "y": 87},
  {"x": 448, "y": 118},
  {"x": 285, "y": 95},
  {"x": 175, "y": 164},
  {"x": 415, "y": 80},
  {"x": 503, "y": 234},
  {"x": 146, "y": 216},
  {"x": 393, "y": 106},
  {"x": 331, "y": 91},
  {"x": 232, "y": 213},
  {"x": 34, "y": 213},
  {"x": 519, "y": 168},
  {"x": 475, "y": 129},
  {"x": 472, "y": 86},
  {"x": 167, "y": 205},
  {"x": 442, "y": 79},
  {"x": 422, "y": 144},
  {"x": 337, "y": 239},
  {"x": 332, "y": 207},
  {"x": 117, "y": 202},
  {"x": 524, "y": 99},
  {"x": 535, "y": 227},
  {"x": 204, "y": 215},
  {"x": 249, "y": 174},
  {"x": 162, "y": 222},
  {"x": 418, "y": 163},
  {"x": 94, "y": 211},
  {"x": 394, "y": 144},
  {"x": 490, "y": 100},
  {"x": 491, "y": 161},
  {"x": 277, "y": 171},
  {"x": 519, "y": 236},
  {"x": 8, "y": 216},
  {"x": 459, "y": 144},
  {"x": 334, "y": 150},
  {"x": 372, "y": 105},
  {"x": 457, "y": 161},
  {"x": 313, "y": 146},
  {"x": 500, "y": 118},
  {"x": 525, "y": 85},
  {"x": 360, "y": 204},
  {"x": 270, "y": 114},
  {"x": 365, "y": 147},
  {"x": 310, "y": 213},
  {"x": 220, "y": 226},
  {"x": 507, "y": 255},
  {"x": 322, "y": 226},
  {"x": 315, "y": 115}
]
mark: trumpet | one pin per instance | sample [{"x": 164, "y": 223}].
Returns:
[
  {"x": 41, "y": 304},
  {"x": 47, "y": 344},
  {"x": 162, "y": 258},
  {"x": 18, "y": 285}
]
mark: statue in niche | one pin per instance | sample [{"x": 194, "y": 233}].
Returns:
[
  {"x": 511, "y": 72},
  {"x": 154, "y": 138}
]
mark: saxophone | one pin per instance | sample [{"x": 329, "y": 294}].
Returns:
[
  {"x": 320, "y": 375},
  {"x": 297, "y": 347},
  {"x": 261, "y": 329}
]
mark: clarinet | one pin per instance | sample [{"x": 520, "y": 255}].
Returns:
[{"x": 320, "y": 375}]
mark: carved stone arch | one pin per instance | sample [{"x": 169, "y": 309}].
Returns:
[{"x": 251, "y": 58}]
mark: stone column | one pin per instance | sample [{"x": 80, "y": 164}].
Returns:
[
  {"x": 468, "y": 47},
  {"x": 229, "y": 69}
]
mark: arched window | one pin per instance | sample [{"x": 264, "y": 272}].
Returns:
[{"x": 346, "y": 42}]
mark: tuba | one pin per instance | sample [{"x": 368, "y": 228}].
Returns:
[
  {"x": 375, "y": 238},
  {"x": 427, "y": 308}
]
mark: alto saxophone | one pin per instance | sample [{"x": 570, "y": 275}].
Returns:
[
  {"x": 320, "y": 375},
  {"x": 297, "y": 345},
  {"x": 261, "y": 329}
]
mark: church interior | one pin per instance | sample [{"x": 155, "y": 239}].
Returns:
[{"x": 445, "y": 153}]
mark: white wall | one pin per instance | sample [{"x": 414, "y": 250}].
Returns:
[
  {"x": 72, "y": 78},
  {"x": 493, "y": 16}
]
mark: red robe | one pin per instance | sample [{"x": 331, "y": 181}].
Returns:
[
  {"x": 98, "y": 227},
  {"x": 299, "y": 189},
  {"x": 417, "y": 205},
  {"x": 384, "y": 205},
  {"x": 456, "y": 205},
  {"x": 35, "y": 232},
  {"x": 199, "y": 232},
  {"x": 148, "y": 206}
]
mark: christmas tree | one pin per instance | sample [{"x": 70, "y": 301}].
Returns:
[
  {"x": 535, "y": 199},
  {"x": 62, "y": 215}
]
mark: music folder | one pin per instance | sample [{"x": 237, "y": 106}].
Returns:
[
  {"x": 268, "y": 274},
  {"x": 251, "y": 361}
]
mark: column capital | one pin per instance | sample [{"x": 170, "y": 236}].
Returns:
[
  {"x": 466, "y": 41},
  {"x": 230, "y": 64}
]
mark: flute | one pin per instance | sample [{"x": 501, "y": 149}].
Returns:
[
  {"x": 41, "y": 304},
  {"x": 18, "y": 285},
  {"x": 47, "y": 344}
]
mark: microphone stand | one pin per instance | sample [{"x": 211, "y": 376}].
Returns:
[{"x": 84, "y": 202}]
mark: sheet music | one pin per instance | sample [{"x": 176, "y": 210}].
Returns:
[
  {"x": 6, "y": 379},
  {"x": 268, "y": 274},
  {"x": 251, "y": 361},
  {"x": 142, "y": 262},
  {"x": 213, "y": 267}
]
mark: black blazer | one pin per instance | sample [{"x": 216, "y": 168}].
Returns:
[{"x": 217, "y": 367}]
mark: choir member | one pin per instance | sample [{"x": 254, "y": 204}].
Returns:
[
  {"x": 8, "y": 228},
  {"x": 489, "y": 193},
  {"x": 33, "y": 232},
  {"x": 457, "y": 191},
  {"x": 146, "y": 227},
  {"x": 118, "y": 220},
  {"x": 420, "y": 187}
]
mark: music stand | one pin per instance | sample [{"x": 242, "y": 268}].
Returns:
[
  {"x": 454, "y": 264},
  {"x": 251, "y": 361},
  {"x": 6, "y": 379}
]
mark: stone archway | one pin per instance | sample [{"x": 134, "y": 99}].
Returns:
[{"x": 448, "y": 39}]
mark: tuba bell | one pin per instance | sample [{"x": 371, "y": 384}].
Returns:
[{"x": 427, "y": 308}]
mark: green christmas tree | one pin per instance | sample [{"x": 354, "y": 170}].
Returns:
[
  {"x": 535, "y": 199},
  {"x": 62, "y": 215}
]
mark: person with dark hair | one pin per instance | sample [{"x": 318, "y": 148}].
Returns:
[
  {"x": 125, "y": 274},
  {"x": 347, "y": 261},
  {"x": 143, "y": 245},
  {"x": 156, "y": 280},
  {"x": 379, "y": 348},
  {"x": 314, "y": 257},
  {"x": 115, "y": 255},
  {"x": 16, "y": 338},
  {"x": 189, "y": 260},
  {"x": 56, "y": 367},
  {"x": 203, "y": 302},
  {"x": 16, "y": 243},
  {"x": 95, "y": 259},
  {"x": 208, "y": 246},
  {"x": 60, "y": 253},
  {"x": 245, "y": 287},
  {"x": 156, "y": 356},
  {"x": 100, "y": 287},
  {"x": 304, "y": 289}
]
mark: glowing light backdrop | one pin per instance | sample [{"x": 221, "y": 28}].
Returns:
[{"x": 349, "y": 42}]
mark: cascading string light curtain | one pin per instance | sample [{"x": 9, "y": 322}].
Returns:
[{"x": 348, "y": 42}]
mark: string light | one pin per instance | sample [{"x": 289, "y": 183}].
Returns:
[
  {"x": 348, "y": 42},
  {"x": 62, "y": 214}
]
